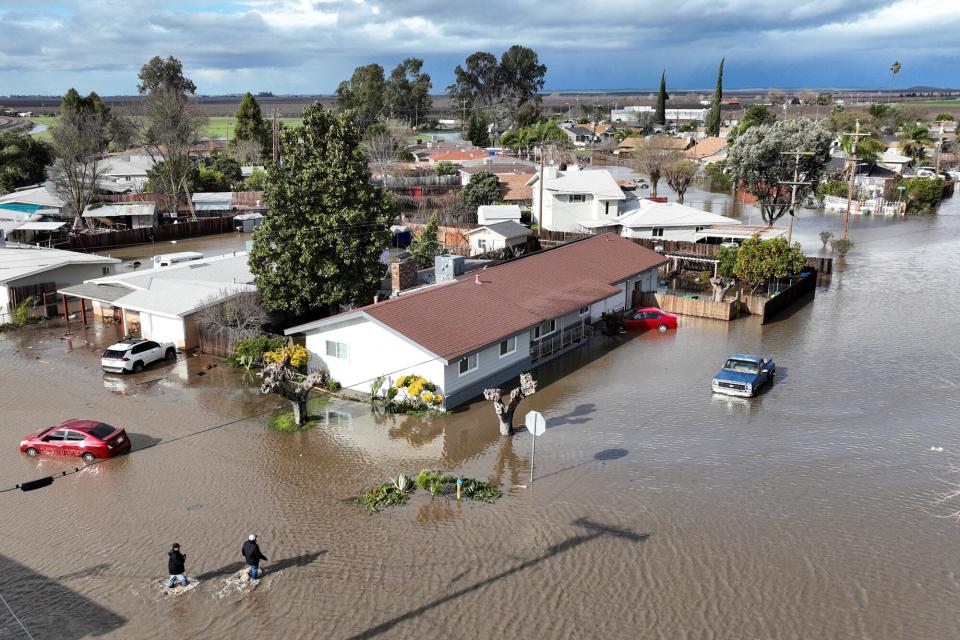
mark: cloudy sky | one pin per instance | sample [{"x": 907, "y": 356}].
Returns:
[{"x": 308, "y": 46}]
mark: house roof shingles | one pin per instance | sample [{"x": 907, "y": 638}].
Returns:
[{"x": 460, "y": 317}]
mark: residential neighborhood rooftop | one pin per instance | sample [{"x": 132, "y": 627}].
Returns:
[
  {"x": 507, "y": 298},
  {"x": 650, "y": 213},
  {"x": 20, "y": 260},
  {"x": 507, "y": 229}
]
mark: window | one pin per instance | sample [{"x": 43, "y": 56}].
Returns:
[
  {"x": 75, "y": 436},
  {"x": 657, "y": 232},
  {"x": 101, "y": 431},
  {"x": 584, "y": 310},
  {"x": 481, "y": 243},
  {"x": 577, "y": 197},
  {"x": 105, "y": 270},
  {"x": 699, "y": 228},
  {"x": 338, "y": 350},
  {"x": 508, "y": 346},
  {"x": 544, "y": 329},
  {"x": 56, "y": 436},
  {"x": 606, "y": 208},
  {"x": 468, "y": 364}
]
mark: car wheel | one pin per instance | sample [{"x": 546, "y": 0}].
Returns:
[
  {"x": 88, "y": 457},
  {"x": 33, "y": 453},
  {"x": 662, "y": 328},
  {"x": 138, "y": 366},
  {"x": 171, "y": 354}
]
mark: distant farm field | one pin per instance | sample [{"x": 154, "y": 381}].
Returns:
[{"x": 216, "y": 127}]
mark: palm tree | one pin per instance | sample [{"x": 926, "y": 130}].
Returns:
[
  {"x": 894, "y": 70},
  {"x": 869, "y": 149},
  {"x": 915, "y": 141}
]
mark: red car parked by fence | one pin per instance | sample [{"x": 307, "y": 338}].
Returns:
[{"x": 649, "y": 318}]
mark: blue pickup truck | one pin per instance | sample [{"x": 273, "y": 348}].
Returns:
[{"x": 743, "y": 375}]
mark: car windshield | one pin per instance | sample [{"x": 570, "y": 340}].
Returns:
[
  {"x": 102, "y": 430},
  {"x": 114, "y": 353},
  {"x": 740, "y": 366}
]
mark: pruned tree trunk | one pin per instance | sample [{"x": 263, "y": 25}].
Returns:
[
  {"x": 505, "y": 408},
  {"x": 720, "y": 288},
  {"x": 299, "y": 412}
]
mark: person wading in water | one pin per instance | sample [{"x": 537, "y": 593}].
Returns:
[
  {"x": 176, "y": 566},
  {"x": 251, "y": 553}
]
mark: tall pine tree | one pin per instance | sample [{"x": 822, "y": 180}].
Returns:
[
  {"x": 250, "y": 124},
  {"x": 660, "y": 117},
  {"x": 713, "y": 119},
  {"x": 320, "y": 243}
]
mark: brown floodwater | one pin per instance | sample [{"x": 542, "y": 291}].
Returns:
[{"x": 657, "y": 509}]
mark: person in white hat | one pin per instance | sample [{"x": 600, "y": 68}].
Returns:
[{"x": 253, "y": 556}]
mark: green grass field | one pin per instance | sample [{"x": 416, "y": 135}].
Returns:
[{"x": 217, "y": 126}]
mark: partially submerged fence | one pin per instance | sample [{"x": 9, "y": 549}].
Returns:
[
  {"x": 159, "y": 233},
  {"x": 701, "y": 307}
]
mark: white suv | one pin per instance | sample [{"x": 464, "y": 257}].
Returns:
[{"x": 133, "y": 354}]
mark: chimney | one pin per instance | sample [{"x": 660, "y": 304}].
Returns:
[{"x": 403, "y": 275}]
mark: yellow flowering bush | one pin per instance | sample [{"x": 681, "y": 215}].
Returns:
[
  {"x": 415, "y": 392},
  {"x": 297, "y": 353}
]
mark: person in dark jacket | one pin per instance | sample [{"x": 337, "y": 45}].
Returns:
[
  {"x": 251, "y": 553},
  {"x": 176, "y": 566}
]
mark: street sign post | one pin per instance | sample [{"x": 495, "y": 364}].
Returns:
[{"x": 536, "y": 425}]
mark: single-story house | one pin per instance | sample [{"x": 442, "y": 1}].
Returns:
[
  {"x": 505, "y": 234},
  {"x": 161, "y": 303},
  {"x": 28, "y": 270},
  {"x": 720, "y": 233},
  {"x": 580, "y": 135},
  {"x": 631, "y": 144},
  {"x": 892, "y": 159},
  {"x": 127, "y": 170},
  {"x": 484, "y": 328},
  {"x": 33, "y": 199},
  {"x": 662, "y": 220},
  {"x": 128, "y": 215},
  {"x": 494, "y": 213},
  {"x": 707, "y": 150},
  {"x": 514, "y": 188}
]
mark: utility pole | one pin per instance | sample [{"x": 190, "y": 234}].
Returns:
[
  {"x": 276, "y": 135},
  {"x": 540, "y": 187},
  {"x": 939, "y": 149},
  {"x": 853, "y": 172},
  {"x": 793, "y": 186}
]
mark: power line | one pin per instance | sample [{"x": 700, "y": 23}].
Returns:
[{"x": 15, "y": 616}]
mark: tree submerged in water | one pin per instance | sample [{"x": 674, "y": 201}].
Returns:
[
  {"x": 283, "y": 379},
  {"x": 505, "y": 408}
]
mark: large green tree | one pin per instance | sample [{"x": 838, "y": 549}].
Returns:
[
  {"x": 168, "y": 124},
  {"x": 426, "y": 246},
  {"x": 714, "y": 119},
  {"x": 758, "y": 261},
  {"x": 477, "y": 132},
  {"x": 914, "y": 143},
  {"x": 660, "y": 116},
  {"x": 23, "y": 160},
  {"x": 320, "y": 243},
  {"x": 483, "y": 189},
  {"x": 408, "y": 91},
  {"x": 507, "y": 89},
  {"x": 250, "y": 125},
  {"x": 365, "y": 93},
  {"x": 90, "y": 109},
  {"x": 756, "y": 159}
]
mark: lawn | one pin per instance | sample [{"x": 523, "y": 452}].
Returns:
[{"x": 217, "y": 126}]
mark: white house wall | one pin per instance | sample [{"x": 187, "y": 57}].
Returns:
[
  {"x": 163, "y": 329},
  {"x": 687, "y": 234},
  {"x": 64, "y": 276},
  {"x": 372, "y": 351}
]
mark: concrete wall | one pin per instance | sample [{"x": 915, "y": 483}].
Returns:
[{"x": 372, "y": 351}]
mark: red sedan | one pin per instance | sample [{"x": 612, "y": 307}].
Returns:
[
  {"x": 87, "y": 439},
  {"x": 649, "y": 318}
]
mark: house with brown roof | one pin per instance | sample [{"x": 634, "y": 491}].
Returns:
[
  {"x": 484, "y": 328},
  {"x": 631, "y": 144},
  {"x": 707, "y": 150}
]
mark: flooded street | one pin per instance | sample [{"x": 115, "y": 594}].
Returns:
[{"x": 658, "y": 510}]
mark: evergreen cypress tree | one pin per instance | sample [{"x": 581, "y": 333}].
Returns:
[
  {"x": 250, "y": 124},
  {"x": 713, "y": 120},
  {"x": 660, "y": 117}
]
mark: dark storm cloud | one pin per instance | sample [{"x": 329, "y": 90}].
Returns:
[{"x": 309, "y": 45}]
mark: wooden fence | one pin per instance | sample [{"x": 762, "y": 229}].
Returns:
[
  {"x": 223, "y": 342},
  {"x": 687, "y": 306},
  {"x": 159, "y": 233},
  {"x": 801, "y": 286}
]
